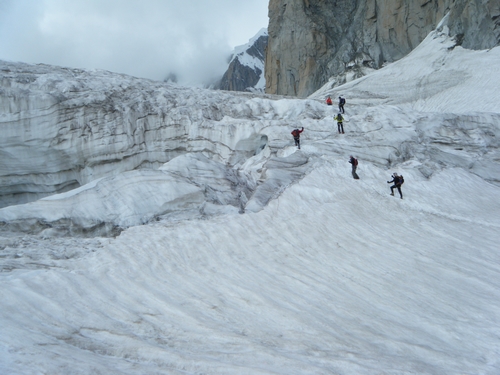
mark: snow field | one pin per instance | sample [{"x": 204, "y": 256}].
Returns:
[{"x": 341, "y": 277}]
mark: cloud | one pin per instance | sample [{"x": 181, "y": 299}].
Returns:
[{"x": 144, "y": 38}]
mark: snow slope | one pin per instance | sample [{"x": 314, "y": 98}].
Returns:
[{"x": 326, "y": 275}]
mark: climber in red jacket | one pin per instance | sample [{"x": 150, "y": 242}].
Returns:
[{"x": 296, "y": 136}]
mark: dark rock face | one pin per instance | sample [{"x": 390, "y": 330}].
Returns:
[
  {"x": 240, "y": 77},
  {"x": 258, "y": 49},
  {"x": 246, "y": 69},
  {"x": 476, "y": 23},
  {"x": 311, "y": 41}
]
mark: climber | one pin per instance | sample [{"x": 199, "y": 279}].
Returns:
[
  {"x": 398, "y": 181},
  {"x": 296, "y": 136},
  {"x": 340, "y": 122},
  {"x": 341, "y": 104},
  {"x": 354, "y": 164}
]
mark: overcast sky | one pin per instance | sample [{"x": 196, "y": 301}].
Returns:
[{"x": 144, "y": 38}]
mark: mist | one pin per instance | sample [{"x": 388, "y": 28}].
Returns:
[{"x": 149, "y": 38}]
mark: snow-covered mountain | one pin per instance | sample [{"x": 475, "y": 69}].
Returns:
[
  {"x": 229, "y": 251},
  {"x": 246, "y": 66}
]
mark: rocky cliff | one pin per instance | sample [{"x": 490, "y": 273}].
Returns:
[
  {"x": 246, "y": 67},
  {"x": 311, "y": 42}
]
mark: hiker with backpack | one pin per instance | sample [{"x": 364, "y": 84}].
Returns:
[
  {"x": 398, "y": 181},
  {"x": 340, "y": 122},
  {"x": 354, "y": 164},
  {"x": 341, "y": 104},
  {"x": 296, "y": 136},
  {"x": 329, "y": 100}
]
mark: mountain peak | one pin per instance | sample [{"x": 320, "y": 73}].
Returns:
[{"x": 246, "y": 67}]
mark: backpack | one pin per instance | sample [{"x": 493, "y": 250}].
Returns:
[
  {"x": 342, "y": 101},
  {"x": 401, "y": 180},
  {"x": 355, "y": 161},
  {"x": 339, "y": 118},
  {"x": 329, "y": 101},
  {"x": 295, "y": 132}
]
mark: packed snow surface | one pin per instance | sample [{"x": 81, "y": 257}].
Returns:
[{"x": 321, "y": 274}]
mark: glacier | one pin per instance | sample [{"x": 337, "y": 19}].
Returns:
[{"x": 148, "y": 228}]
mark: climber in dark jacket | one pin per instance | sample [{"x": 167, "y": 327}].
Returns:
[
  {"x": 354, "y": 164},
  {"x": 341, "y": 104},
  {"x": 398, "y": 181}
]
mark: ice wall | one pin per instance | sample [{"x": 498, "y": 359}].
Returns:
[{"x": 62, "y": 128}]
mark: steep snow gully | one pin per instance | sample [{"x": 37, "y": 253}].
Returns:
[{"x": 148, "y": 228}]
